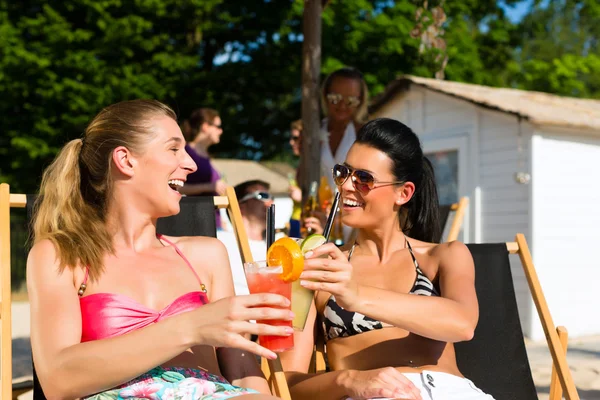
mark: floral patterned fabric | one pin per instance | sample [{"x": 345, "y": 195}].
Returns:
[{"x": 174, "y": 384}]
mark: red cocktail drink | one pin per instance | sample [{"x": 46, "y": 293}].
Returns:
[{"x": 263, "y": 279}]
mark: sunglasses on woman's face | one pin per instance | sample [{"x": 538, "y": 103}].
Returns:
[
  {"x": 336, "y": 98},
  {"x": 362, "y": 181}
]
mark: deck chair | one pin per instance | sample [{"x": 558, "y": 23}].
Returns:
[
  {"x": 496, "y": 358},
  {"x": 459, "y": 210},
  {"x": 196, "y": 218},
  {"x": 9, "y": 388}
]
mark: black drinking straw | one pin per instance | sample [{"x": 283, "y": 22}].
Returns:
[
  {"x": 270, "y": 225},
  {"x": 329, "y": 223}
]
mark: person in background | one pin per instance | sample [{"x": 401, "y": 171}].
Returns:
[
  {"x": 254, "y": 198},
  {"x": 202, "y": 130},
  {"x": 344, "y": 101},
  {"x": 314, "y": 223}
]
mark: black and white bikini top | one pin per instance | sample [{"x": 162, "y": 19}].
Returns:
[{"x": 338, "y": 322}]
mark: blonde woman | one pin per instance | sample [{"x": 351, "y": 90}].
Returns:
[
  {"x": 118, "y": 311},
  {"x": 344, "y": 101}
]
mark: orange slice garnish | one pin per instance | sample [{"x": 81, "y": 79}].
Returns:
[{"x": 285, "y": 252}]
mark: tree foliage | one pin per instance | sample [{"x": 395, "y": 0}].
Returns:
[
  {"x": 560, "y": 52},
  {"x": 61, "y": 61}
]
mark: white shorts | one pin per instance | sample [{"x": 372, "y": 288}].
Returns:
[{"x": 442, "y": 386}]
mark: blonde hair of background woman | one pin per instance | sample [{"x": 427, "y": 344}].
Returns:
[
  {"x": 362, "y": 111},
  {"x": 76, "y": 188}
]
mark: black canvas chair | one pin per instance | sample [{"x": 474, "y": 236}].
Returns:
[
  {"x": 496, "y": 358},
  {"x": 197, "y": 218}
]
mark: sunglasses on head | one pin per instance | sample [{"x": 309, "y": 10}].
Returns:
[
  {"x": 362, "y": 181},
  {"x": 336, "y": 98},
  {"x": 262, "y": 196}
]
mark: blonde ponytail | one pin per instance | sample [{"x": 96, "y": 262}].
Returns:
[
  {"x": 62, "y": 215},
  {"x": 76, "y": 187}
]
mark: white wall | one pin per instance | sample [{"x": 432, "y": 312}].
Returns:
[
  {"x": 566, "y": 221},
  {"x": 505, "y": 204}
]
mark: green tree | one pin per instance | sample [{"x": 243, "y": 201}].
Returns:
[
  {"x": 560, "y": 50},
  {"x": 62, "y": 61}
]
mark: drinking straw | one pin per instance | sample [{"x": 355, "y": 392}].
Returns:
[
  {"x": 270, "y": 225},
  {"x": 329, "y": 223}
]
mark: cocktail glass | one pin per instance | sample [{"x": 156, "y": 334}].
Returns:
[
  {"x": 267, "y": 279},
  {"x": 301, "y": 300}
]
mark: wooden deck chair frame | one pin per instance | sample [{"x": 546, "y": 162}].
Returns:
[
  {"x": 561, "y": 383},
  {"x": 459, "y": 208},
  {"x": 272, "y": 368},
  {"x": 8, "y": 388}
]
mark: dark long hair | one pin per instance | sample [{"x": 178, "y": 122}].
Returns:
[
  {"x": 192, "y": 126},
  {"x": 418, "y": 218}
]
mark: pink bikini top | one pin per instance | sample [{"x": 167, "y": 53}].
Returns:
[{"x": 105, "y": 315}]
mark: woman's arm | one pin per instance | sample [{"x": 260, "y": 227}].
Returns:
[
  {"x": 383, "y": 382},
  {"x": 451, "y": 318},
  {"x": 238, "y": 367},
  {"x": 69, "y": 369}
]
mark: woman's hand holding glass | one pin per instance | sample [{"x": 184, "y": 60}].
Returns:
[
  {"x": 224, "y": 323},
  {"x": 332, "y": 274}
]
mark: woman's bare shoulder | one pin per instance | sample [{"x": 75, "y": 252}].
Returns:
[
  {"x": 201, "y": 251},
  {"x": 452, "y": 253},
  {"x": 44, "y": 265}
]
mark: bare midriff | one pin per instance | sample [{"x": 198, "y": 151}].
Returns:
[{"x": 391, "y": 347}]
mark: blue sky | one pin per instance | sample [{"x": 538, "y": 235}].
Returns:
[{"x": 517, "y": 12}]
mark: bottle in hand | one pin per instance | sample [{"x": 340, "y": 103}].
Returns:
[{"x": 310, "y": 207}]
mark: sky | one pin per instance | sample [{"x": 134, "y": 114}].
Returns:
[{"x": 517, "y": 12}]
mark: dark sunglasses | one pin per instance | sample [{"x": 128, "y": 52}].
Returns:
[
  {"x": 336, "y": 98},
  {"x": 362, "y": 181},
  {"x": 262, "y": 196},
  {"x": 294, "y": 138},
  {"x": 219, "y": 126}
]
